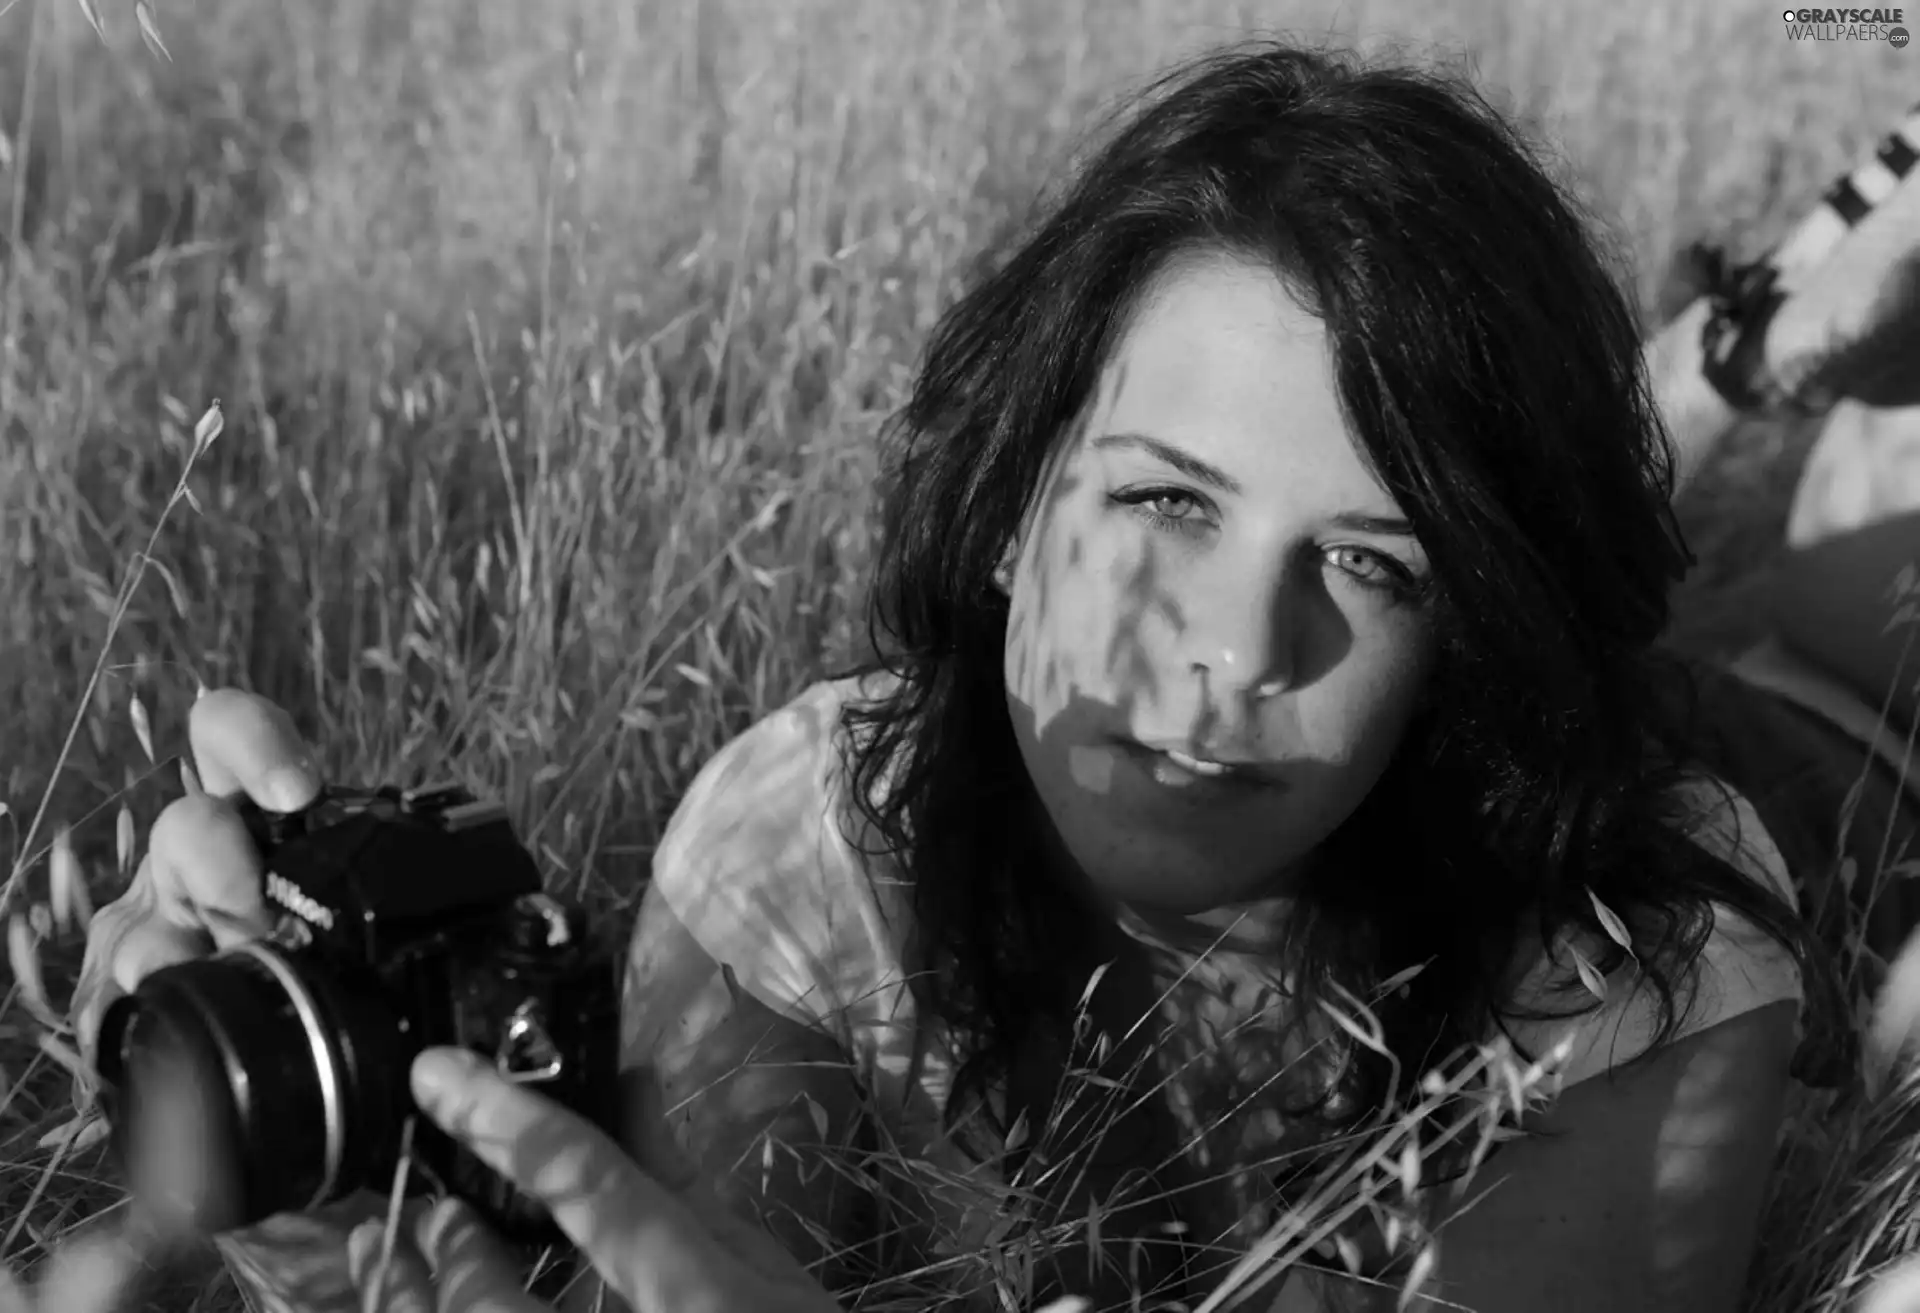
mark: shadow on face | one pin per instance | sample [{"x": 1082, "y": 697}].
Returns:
[{"x": 1214, "y": 645}]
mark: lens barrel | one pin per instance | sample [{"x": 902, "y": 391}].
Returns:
[{"x": 242, "y": 1085}]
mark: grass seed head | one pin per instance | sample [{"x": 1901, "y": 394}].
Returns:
[
  {"x": 142, "y": 728},
  {"x": 23, "y": 959},
  {"x": 67, "y": 884}
]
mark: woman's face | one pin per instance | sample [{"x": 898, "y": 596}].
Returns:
[{"x": 1212, "y": 651}]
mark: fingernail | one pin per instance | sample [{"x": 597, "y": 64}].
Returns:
[
  {"x": 438, "y": 1072},
  {"x": 287, "y": 788}
]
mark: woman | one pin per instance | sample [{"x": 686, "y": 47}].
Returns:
[{"x": 1269, "y": 593}]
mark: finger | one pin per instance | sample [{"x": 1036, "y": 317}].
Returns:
[
  {"x": 244, "y": 744},
  {"x": 207, "y": 873},
  {"x": 405, "y": 1287},
  {"x": 106, "y": 935},
  {"x": 646, "y": 1243},
  {"x": 471, "y": 1272},
  {"x": 124, "y": 943},
  {"x": 152, "y": 945}
]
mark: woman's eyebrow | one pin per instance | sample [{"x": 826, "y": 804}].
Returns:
[
  {"x": 1187, "y": 463},
  {"x": 1389, "y": 526}
]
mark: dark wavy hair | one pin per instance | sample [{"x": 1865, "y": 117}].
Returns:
[{"x": 1489, "y": 363}]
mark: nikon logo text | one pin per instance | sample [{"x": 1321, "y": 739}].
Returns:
[{"x": 284, "y": 892}]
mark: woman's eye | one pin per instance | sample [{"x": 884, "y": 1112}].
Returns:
[
  {"x": 1172, "y": 505},
  {"x": 1366, "y": 566},
  {"x": 1167, "y": 508}
]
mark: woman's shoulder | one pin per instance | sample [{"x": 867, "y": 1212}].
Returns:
[
  {"x": 1740, "y": 969},
  {"x": 757, "y": 864},
  {"x": 1720, "y": 819},
  {"x": 774, "y": 774}
]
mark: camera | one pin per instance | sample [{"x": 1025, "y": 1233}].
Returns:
[{"x": 274, "y": 1076}]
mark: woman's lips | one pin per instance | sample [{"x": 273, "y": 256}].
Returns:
[{"x": 1176, "y": 768}]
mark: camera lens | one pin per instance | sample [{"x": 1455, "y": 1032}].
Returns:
[{"x": 241, "y": 1086}]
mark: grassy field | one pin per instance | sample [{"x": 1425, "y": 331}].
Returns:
[{"x": 552, "y": 340}]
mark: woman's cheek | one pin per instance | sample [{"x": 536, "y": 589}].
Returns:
[
  {"x": 1365, "y": 705},
  {"x": 1067, "y": 633},
  {"x": 1054, "y": 651}
]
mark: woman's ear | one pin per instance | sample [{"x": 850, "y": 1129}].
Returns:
[{"x": 1003, "y": 572}]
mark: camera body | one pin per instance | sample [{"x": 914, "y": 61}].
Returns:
[{"x": 274, "y": 1076}]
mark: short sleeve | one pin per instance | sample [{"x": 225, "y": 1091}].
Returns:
[
  {"x": 755, "y": 864},
  {"x": 1741, "y": 967}
]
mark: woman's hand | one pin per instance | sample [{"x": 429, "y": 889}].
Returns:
[
  {"x": 200, "y": 887},
  {"x": 199, "y": 890},
  {"x": 661, "y": 1250},
  {"x": 1851, "y": 329}
]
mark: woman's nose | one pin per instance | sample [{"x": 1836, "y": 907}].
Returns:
[
  {"x": 1247, "y": 651},
  {"x": 1236, "y": 678}
]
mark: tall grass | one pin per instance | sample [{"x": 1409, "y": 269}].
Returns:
[{"x": 552, "y": 340}]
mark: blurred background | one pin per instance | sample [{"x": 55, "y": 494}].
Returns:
[{"x": 552, "y": 340}]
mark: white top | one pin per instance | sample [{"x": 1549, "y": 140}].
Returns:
[{"x": 756, "y": 862}]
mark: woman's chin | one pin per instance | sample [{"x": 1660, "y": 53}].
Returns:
[{"x": 1172, "y": 890}]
